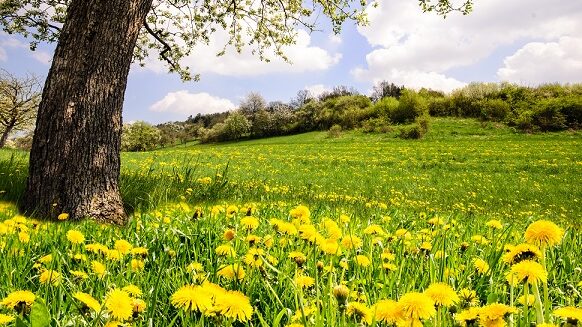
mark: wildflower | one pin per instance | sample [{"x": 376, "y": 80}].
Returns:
[
  {"x": 139, "y": 306},
  {"x": 442, "y": 294},
  {"x": 50, "y": 277},
  {"x": 137, "y": 265},
  {"x": 250, "y": 223},
  {"x": 544, "y": 233},
  {"x": 330, "y": 246},
  {"x": 75, "y": 237},
  {"x": 233, "y": 305},
  {"x": 468, "y": 317},
  {"x": 572, "y": 315},
  {"x": 360, "y": 312},
  {"x": 302, "y": 281},
  {"x": 63, "y": 216},
  {"x": 88, "y": 301},
  {"x": 522, "y": 252},
  {"x": 301, "y": 213},
  {"x": 225, "y": 250},
  {"x": 21, "y": 301},
  {"x": 529, "y": 302},
  {"x": 192, "y": 298},
  {"x": 229, "y": 234},
  {"x": 527, "y": 271},
  {"x": 253, "y": 257},
  {"x": 494, "y": 314},
  {"x": 46, "y": 259},
  {"x": 24, "y": 237},
  {"x": 119, "y": 304},
  {"x": 98, "y": 268},
  {"x": 123, "y": 246},
  {"x": 387, "y": 311},
  {"x": 416, "y": 306},
  {"x": 374, "y": 230},
  {"x": 5, "y": 319},
  {"x": 332, "y": 229},
  {"x": 494, "y": 223},
  {"x": 480, "y": 239},
  {"x": 195, "y": 267},
  {"x": 232, "y": 271},
  {"x": 133, "y": 290},
  {"x": 468, "y": 298},
  {"x": 139, "y": 251},
  {"x": 341, "y": 293},
  {"x": 481, "y": 266},
  {"x": 363, "y": 261},
  {"x": 352, "y": 242}
]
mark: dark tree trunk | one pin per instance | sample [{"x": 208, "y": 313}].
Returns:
[
  {"x": 75, "y": 156},
  {"x": 5, "y": 134}
]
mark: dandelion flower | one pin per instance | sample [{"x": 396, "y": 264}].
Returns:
[
  {"x": 527, "y": 271},
  {"x": 544, "y": 233},
  {"x": 119, "y": 304},
  {"x": 416, "y": 306},
  {"x": 50, "y": 277},
  {"x": 363, "y": 261},
  {"x": 360, "y": 312},
  {"x": 98, "y": 268},
  {"x": 123, "y": 246},
  {"x": 387, "y": 311},
  {"x": 572, "y": 315},
  {"x": 341, "y": 293},
  {"x": 352, "y": 242},
  {"x": 232, "y": 271},
  {"x": 250, "y": 223},
  {"x": 19, "y": 300},
  {"x": 520, "y": 252},
  {"x": 133, "y": 290},
  {"x": 225, "y": 250},
  {"x": 63, "y": 216},
  {"x": 468, "y": 317},
  {"x": 192, "y": 298},
  {"x": 234, "y": 305},
  {"x": 88, "y": 301},
  {"x": 302, "y": 281},
  {"x": 5, "y": 319},
  {"x": 442, "y": 294},
  {"x": 75, "y": 237},
  {"x": 468, "y": 298},
  {"x": 494, "y": 223},
  {"x": 494, "y": 314}
]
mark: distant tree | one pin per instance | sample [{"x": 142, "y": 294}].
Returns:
[
  {"x": 338, "y": 91},
  {"x": 385, "y": 89},
  {"x": 302, "y": 97},
  {"x": 252, "y": 103},
  {"x": 140, "y": 136},
  {"x": 235, "y": 126},
  {"x": 19, "y": 99}
]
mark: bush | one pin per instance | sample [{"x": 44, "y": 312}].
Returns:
[
  {"x": 140, "y": 136},
  {"x": 384, "y": 107},
  {"x": 234, "y": 127},
  {"x": 410, "y": 132},
  {"x": 410, "y": 106},
  {"x": 441, "y": 107},
  {"x": 334, "y": 132},
  {"x": 423, "y": 122},
  {"x": 376, "y": 125},
  {"x": 493, "y": 109},
  {"x": 548, "y": 116}
]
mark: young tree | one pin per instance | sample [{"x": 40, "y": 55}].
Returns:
[
  {"x": 19, "y": 99},
  {"x": 75, "y": 157}
]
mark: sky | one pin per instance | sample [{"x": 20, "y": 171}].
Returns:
[{"x": 529, "y": 42}]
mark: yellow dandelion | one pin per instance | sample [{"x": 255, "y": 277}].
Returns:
[
  {"x": 133, "y": 290},
  {"x": 75, "y": 236},
  {"x": 250, "y": 223},
  {"x": 352, "y": 242},
  {"x": 139, "y": 306},
  {"x": 572, "y": 315},
  {"x": 527, "y": 271},
  {"x": 19, "y": 300},
  {"x": 98, "y": 269},
  {"x": 192, "y": 298},
  {"x": 79, "y": 274},
  {"x": 416, "y": 306},
  {"x": 302, "y": 281},
  {"x": 225, "y": 250},
  {"x": 481, "y": 266},
  {"x": 6, "y": 319},
  {"x": 520, "y": 252},
  {"x": 468, "y": 317},
  {"x": 360, "y": 312},
  {"x": 119, "y": 304},
  {"x": 229, "y": 234},
  {"x": 123, "y": 246},
  {"x": 442, "y": 294},
  {"x": 233, "y": 305},
  {"x": 494, "y": 314},
  {"x": 50, "y": 277},
  {"x": 544, "y": 233},
  {"x": 137, "y": 265},
  {"x": 387, "y": 311},
  {"x": 363, "y": 261},
  {"x": 88, "y": 301},
  {"x": 234, "y": 271},
  {"x": 494, "y": 223},
  {"x": 63, "y": 216}
]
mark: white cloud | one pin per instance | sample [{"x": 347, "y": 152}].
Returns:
[
  {"x": 304, "y": 57},
  {"x": 414, "y": 43},
  {"x": 186, "y": 103},
  {"x": 42, "y": 57},
  {"x": 539, "y": 62},
  {"x": 334, "y": 39},
  {"x": 317, "y": 90}
]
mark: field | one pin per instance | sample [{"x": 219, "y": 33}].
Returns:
[{"x": 306, "y": 230}]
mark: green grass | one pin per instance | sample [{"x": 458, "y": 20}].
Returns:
[{"x": 430, "y": 198}]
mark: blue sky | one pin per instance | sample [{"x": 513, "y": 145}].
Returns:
[{"x": 522, "y": 41}]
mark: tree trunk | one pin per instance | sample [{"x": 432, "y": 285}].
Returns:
[
  {"x": 75, "y": 156},
  {"x": 5, "y": 134}
]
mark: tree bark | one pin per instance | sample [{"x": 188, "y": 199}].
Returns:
[
  {"x": 75, "y": 157},
  {"x": 5, "y": 134}
]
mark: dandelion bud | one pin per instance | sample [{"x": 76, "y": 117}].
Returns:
[
  {"x": 341, "y": 293},
  {"x": 299, "y": 260},
  {"x": 229, "y": 234}
]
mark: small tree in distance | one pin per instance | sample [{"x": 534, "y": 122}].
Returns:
[{"x": 19, "y": 99}]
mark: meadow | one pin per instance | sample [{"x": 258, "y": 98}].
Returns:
[{"x": 473, "y": 225}]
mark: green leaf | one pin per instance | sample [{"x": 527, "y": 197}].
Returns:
[
  {"x": 39, "y": 314},
  {"x": 283, "y": 312},
  {"x": 20, "y": 322}
]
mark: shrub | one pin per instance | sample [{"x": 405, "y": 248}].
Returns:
[
  {"x": 493, "y": 109},
  {"x": 441, "y": 107},
  {"x": 423, "y": 122},
  {"x": 140, "y": 136},
  {"x": 410, "y": 106},
  {"x": 410, "y": 132},
  {"x": 548, "y": 116},
  {"x": 376, "y": 125},
  {"x": 235, "y": 127},
  {"x": 334, "y": 132},
  {"x": 384, "y": 107}
]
